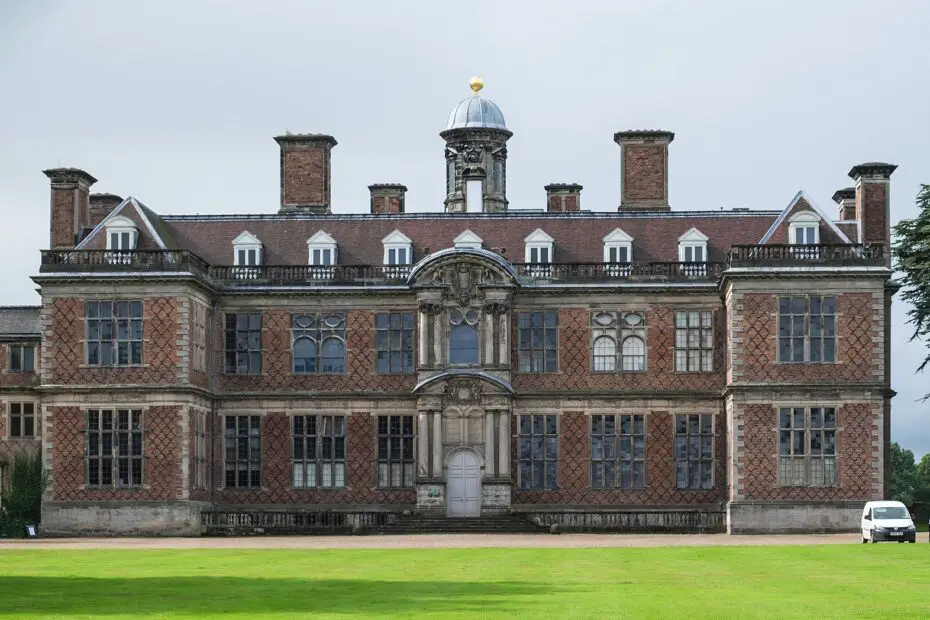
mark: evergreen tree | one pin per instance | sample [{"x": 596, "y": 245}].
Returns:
[{"x": 912, "y": 254}]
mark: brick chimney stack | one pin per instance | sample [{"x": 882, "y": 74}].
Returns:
[
  {"x": 387, "y": 197},
  {"x": 846, "y": 198},
  {"x": 305, "y": 172},
  {"x": 563, "y": 197},
  {"x": 101, "y": 205},
  {"x": 70, "y": 205},
  {"x": 873, "y": 203},
  {"x": 644, "y": 169}
]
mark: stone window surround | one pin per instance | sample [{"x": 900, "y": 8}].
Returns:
[
  {"x": 616, "y": 240},
  {"x": 530, "y": 311},
  {"x": 688, "y": 459},
  {"x": 22, "y": 346},
  {"x": 558, "y": 435},
  {"x": 407, "y": 335},
  {"x": 807, "y": 332},
  {"x": 245, "y": 243},
  {"x": 142, "y": 410},
  {"x": 701, "y": 348},
  {"x": 325, "y": 333},
  {"x": 224, "y": 417},
  {"x": 394, "y": 242},
  {"x": 318, "y": 245},
  {"x": 8, "y": 413},
  {"x": 114, "y": 342},
  {"x": 538, "y": 240},
  {"x": 619, "y": 332},
  {"x": 618, "y": 455},
  {"x": 319, "y": 461},
  {"x": 836, "y": 405},
  {"x": 235, "y": 352}
]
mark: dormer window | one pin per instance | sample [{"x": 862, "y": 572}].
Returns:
[
  {"x": 247, "y": 252},
  {"x": 321, "y": 249},
  {"x": 804, "y": 229},
  {"x": 538, "y": 247},
  {"x": 398, "y": 249},
  {"x": 122, "y": 237},
  {"x": 692, "y": 248},
  {"x": 468, "y": 239},
  {"x": 618, "y": 252},
  {"x": 122, "y": 234}
]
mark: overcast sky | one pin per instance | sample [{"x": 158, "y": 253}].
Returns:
[{"x": 176, "y": 103}]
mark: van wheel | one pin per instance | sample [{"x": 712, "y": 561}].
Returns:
[
  {"x": 874, "y": 541},
  {"x": 864, "y": 540}
]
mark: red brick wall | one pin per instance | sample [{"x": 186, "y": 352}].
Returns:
[
  {"x": 857, "y": 468},
  {"x": 361, "y": 480},
  {"x": 644, "y": 172},
  {"x": 161, "y": 446},
  {"x": 63, "y": 215},
  {"x": 575, "y": 357},
  {"x": 277, "y": 368},
  {"x": 17, "y": 379},
  {"x": 872, "y": 205},
  {"x": 304, "y": 175},
  {"x": 160, "y": 357},
  {"x": 573, "y": 476},
  {"x": 855, "y": 350}
]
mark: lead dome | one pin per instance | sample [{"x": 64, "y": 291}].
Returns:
[{"x": 476, "y": 112}]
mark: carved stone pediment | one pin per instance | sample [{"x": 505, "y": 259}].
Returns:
[{"x": 463, "y": 391}]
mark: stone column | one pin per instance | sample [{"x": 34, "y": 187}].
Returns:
[
  {"x": 437, "y": 445},
  {"x": 503, "y": 468},
  {"x": 423, "y": 335},
  {"x": 423, "y": 464},
  {"x": 437, "y": 336},
  {"x": 488, "y": 329},
  {"x": 504, "y": 338},
  {"x": 490, "y": 469}
]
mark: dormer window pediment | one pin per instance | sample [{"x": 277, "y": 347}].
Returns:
[
  {"x": 398, "y": 249},
  {"x": 321, "y": 249},
  {"x": 692, "y": 247},
  {"x": 618, "y": 247},
  {"x": 247, "y": 249},
  {"x": 539, "y": 248},
  {"x": 468, "y": 239},
  {"x": 122, "y": 234}
]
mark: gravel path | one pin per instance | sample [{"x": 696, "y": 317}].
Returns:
[{"x": 443, "y": 541}]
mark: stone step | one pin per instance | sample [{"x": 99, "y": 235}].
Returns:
[{"x": 430, "y": 524}]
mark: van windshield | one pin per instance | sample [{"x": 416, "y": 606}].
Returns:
[{"x": 890, "y": 512}]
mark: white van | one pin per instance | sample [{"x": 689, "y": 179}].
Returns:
[{"x": 889, "y": 521}]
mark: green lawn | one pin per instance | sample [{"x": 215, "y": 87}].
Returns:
[{"x": 846, "y": 581}]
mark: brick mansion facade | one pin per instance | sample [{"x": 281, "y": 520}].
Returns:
[{"x": 633, "y": 368}]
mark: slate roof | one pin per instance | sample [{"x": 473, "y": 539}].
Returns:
[
  {"x": 20, "y": 321},
  {"x": 578, "y": 237}
]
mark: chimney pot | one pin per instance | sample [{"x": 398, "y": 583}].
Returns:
[
  {"x": 563, "y": 197},
  {"x": 387, "y": 197}
]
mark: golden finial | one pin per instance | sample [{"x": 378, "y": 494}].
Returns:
[{"x": 476, "y": 84}]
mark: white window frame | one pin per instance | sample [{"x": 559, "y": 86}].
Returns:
[
  {"x": 468, "y": 240},
  {"x": 616, "y": 241},
  {"x": 692, "y": 239},
  {"x": 538, "y": 240},
  {"x": 394, "y": 244},
  {"x": 322, "y": 242},
  {"x": 245, "y": 243},
  {"x": 122, "y": 226},
  {"x": 803, "y": 220}
]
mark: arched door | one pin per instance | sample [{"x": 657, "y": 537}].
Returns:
[{"x": 463, "y": 485}]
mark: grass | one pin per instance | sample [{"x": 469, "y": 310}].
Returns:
[{"x": 831, "y": 581}]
